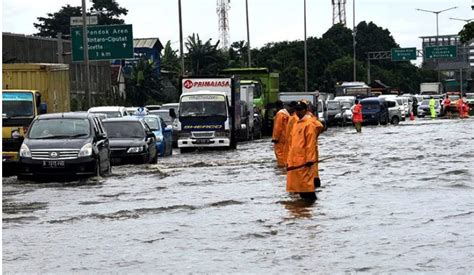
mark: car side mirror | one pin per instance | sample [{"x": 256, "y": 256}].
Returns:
[
  {"x": 172, "y": 113},
  {"x": 43, "y": 108}
]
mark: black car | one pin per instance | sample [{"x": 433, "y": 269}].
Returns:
[
  {"x": 68, "y": 144},
  {"x": 131, "y": 140},
  {"x": 374, "y": 111}
]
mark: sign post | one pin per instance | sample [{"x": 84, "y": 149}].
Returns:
[
  {"x": 104, "y": 42},
  {"x": 403, "y": 54}
]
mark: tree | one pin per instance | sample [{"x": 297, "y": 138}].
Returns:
[
  {"x": 203, "y": 58},
  {"x": 170, "y": 59},
  {"x": 107, "y": 11},
  {"x": 341, "y": 36},
  {"x": 467, "y": 32},
  {"x": 143, "y": 86},
  {"x": 57, "y": 22}
]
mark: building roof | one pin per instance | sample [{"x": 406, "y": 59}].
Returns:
[{"x": 149, "y": 43}]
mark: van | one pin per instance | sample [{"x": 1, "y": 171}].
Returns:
[{"x": 374, "y": 111}]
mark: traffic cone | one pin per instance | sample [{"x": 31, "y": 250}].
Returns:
[{"x": 412, "y": 116}]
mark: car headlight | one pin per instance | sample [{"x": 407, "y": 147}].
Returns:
[
  {"x": 337, "y": 116},
  {"x": 135, "y": 150},
  {"x": 159, "y": 138},
  {"x": 85, "y": 151},
  {"x": 25, "y": 151}
]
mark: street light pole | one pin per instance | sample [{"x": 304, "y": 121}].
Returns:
[
  {"x": 86, "y": 55},
  {"x": 354, "y": 31},
  {"x": 437, "y": 31},
  {"x": 181, "y": 38},
  {"x": 248, "y": 33},
  {"x": 460, "y": 19},
  {"x": 305, "y": 53}
]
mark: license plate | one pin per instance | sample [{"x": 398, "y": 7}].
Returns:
[
  {"x": 203, "y": 141},
  {"x": 53, "y": 163}
]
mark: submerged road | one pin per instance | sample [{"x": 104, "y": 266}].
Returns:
[{"x": 394, "y": 199}]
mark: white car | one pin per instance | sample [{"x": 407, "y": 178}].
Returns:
[
  {"x": 399, "y": 104},
  {"x": 110, "y": 111}
]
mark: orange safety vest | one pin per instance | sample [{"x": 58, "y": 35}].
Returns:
[
  {"x": 302, "y": 149},
  {"x": 280, "y": 123}
]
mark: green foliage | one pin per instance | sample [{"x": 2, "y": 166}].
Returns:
[
  {"x": 467, "y": 32},
  {"x": 170, "y": 59},
  {"x": 203, "y": 58},
  {"x": 143, "y": 86},
  {"x": 107, "y": 11}
]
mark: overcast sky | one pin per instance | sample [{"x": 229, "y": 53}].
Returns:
[{"x": 270, "y": 20}]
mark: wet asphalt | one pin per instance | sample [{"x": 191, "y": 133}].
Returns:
[{"x": 394, "y": 199}]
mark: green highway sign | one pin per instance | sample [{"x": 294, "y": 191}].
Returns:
[
  {"x": 403, "y": 54},
  {"x": 440, "y": 52},
  {"x": 105, "y": 42}
]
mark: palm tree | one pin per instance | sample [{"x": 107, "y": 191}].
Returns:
[{"x": 203, "y": 58}]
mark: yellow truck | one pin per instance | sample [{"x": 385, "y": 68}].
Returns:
[{"x": 29, "y": 90}]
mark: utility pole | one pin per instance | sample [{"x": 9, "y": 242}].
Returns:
[
  {"x": 305, "y": 53},
  {"x": 354, "y": 31},
  {"x": 181, "y": 38},
  {"x": 437, "y": 33},
  {"x": 86, "y": 55},
  {"x": 248, "y": 33}
]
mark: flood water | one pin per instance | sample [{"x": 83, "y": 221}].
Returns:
[{"x": 394, "y": 199}]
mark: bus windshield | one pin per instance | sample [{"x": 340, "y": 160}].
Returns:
[{"x": 17, "y": 104}]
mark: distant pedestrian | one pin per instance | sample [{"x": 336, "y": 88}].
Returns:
[
  {"x": 447, "y": 107},
  {"x": 432, "y": 104},
  {"x": 415, "y": 106},
  {"x": 302, "y": 156},
  {"x": 280, "y": 123},
  {"x": 357, "y": 116},
  {"x": 463, "y": 108}
]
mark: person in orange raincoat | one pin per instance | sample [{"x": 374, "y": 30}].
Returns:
[
  {"x": 460, "y": 106},
  {"x": 302, "y": 155},
  {"x": 279, "y": 133},
  {"x": 447, "y": 106},
  {"x": 357, "y": 116},
  {"x": 319, "y": 127}
]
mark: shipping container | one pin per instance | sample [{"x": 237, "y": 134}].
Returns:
[{"x": 51, "y": 80}]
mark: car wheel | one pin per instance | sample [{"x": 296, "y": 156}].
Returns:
[{"x": 395, "y": 120}]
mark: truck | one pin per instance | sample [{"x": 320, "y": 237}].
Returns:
[
  {"x": 29, "y": 90},
  {"x": 357, "y": 89},
  {"x": 431, "y": 88},
  {"x": 209, "y": 113},
  {"x": 265, "y": 98}
]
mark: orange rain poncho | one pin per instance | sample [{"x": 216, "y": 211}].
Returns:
[
  {"x": 279, "y": 136},
  {"x": 291, "y": 122},
  {"x": 302, "y": 150},
  {"x": 319, "y": 129}
]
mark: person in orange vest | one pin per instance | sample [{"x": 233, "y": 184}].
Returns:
[
  {"x": 319, "y": 127},
  {"x": 280, "y": 123},
  {"x": 460, "y": 106},
  {"x": 447, "y": 107},
  {"x": 357, "y": 116},
  {"x": 465, "y": 108},
  {"x": 302, "y": 156}
]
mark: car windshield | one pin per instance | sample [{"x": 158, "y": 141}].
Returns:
[
  {"x": 453, "y": 97},
  {"x": 346, "y": 104},
  {"x": 60, "y": 128},
  {"x": 152, "y": 122},
  {"x": 17, "y": 104},
  {"x": 370, "y": 106},
  {"x": 333, "y": 106},
  {"x": 203, "y": 105},
  {"x": 110, "y": 114},
  {"x": 124, "y": 129},
  {"x": 470, "y": 96},
  {"x": 165, "y": 115}
]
